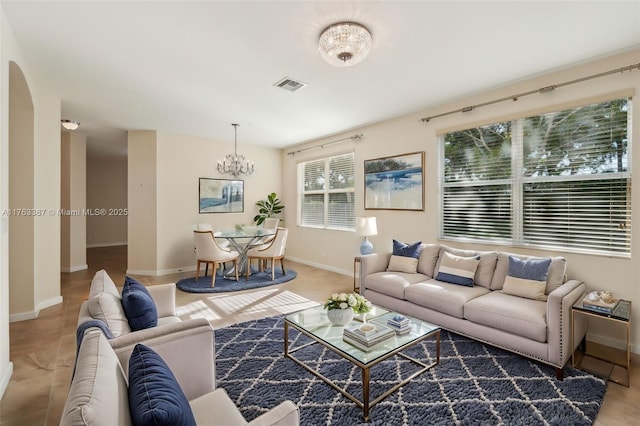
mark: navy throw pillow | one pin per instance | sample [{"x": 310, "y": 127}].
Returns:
[
  {"x": 155, "y": 397},
  {"x": 407, "y": 250},
  {"x": 138, "y": 305}
]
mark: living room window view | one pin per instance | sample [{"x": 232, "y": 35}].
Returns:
[{"x": 319, "y": 213}]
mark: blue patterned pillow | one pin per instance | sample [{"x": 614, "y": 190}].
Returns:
[
  {"x": 407, "y": 250},
  {"x": 527, "y": 278},
  {"x": 155, "y": 397},
  {"x": 139, "y": 307},
  {"x": 458, "y": 270}
]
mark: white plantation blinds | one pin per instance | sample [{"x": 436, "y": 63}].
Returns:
[
  {"x": 327, "y": 188},
  {"x": 558, "y": 180}
]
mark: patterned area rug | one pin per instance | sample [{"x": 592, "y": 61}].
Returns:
[
  {"x": 256, "y": 280},
  {"x": 474, "y": 384}
]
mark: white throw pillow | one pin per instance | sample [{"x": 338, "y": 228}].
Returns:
[
  {"x": 403, "y": 264},
  {"x": 108, "y": 308}
]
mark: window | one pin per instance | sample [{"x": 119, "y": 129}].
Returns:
[
  {"x": 326, "y": 189},
  {"x": 558, "y": 180}
]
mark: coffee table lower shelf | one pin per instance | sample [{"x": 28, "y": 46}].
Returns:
[{"x": 364, "y": 404}]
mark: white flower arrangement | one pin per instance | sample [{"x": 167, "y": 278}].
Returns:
[{"x": 357, "y": 302}]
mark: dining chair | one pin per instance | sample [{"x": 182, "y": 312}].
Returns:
[
  {"x": 208, "y": 251},
  {"x": 270, "y": 224},
  {"x": 273, "y": 250}
]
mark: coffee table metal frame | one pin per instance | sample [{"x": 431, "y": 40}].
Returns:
[{"x": 365, "y": 366}]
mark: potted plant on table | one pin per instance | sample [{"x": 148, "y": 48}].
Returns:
[
  {"x": 341, "y": 307},
  {"x": 268, "y": 208}
]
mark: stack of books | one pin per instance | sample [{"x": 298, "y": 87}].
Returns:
[
  {"x": 399, "y": 324},
  {"x": 598, "y": 305},
  {"x": 366, "y": 340}
]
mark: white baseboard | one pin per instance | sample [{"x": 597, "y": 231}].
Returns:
[
  {"x": 161, "y": 271},
  {"x": 4, "y": 381},
  {"x": 74, "y": 268},
  {"x": 24, "y": 316},
  {"x": 320, "y": 266},
  {"x": 49, "y": 302},
  {"x": 106, "y": 245}
]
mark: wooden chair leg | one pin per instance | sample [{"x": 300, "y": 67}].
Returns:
[
  {"x": 246, "y": 276},
  {"x": 197, "y": 270},
  {"x": 213, "y": 274},
  {"x": 273, "y": 269},
  {"x": 206, "y": 269},
  {"x": 235, "y": 267},
  {"x": 282, "y": 266}
]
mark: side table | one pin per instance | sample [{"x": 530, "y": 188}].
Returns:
[
  {"x": 621, "y": 316},
  {"x": 356, "y": 274}
]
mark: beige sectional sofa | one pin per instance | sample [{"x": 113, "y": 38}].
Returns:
[{"x": 536, "y": 326}]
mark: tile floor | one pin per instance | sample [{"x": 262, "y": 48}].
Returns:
[{"x": 43, "y": 350}]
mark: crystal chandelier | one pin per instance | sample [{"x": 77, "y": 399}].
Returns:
[
  {"x": 234, "y": 164},
  {"x": 345, "y": 44}
]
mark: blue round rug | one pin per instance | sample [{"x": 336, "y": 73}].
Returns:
[{"x": 222, "y": 285}]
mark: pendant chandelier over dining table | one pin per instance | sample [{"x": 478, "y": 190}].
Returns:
[{"x": 234, "y": 164}]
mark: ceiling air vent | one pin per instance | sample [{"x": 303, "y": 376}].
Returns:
[{"x": 290, "y": 84}]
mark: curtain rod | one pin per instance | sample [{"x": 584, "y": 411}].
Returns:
[
  {"x": 545, "y": 89},
  {"x": 350, "y": 138}
]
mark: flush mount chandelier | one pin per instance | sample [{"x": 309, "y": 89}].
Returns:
[
  {"x": 70, "y": 124},
  {"x": 234, "y": 164},
  {"x": 345, "y": 43}
]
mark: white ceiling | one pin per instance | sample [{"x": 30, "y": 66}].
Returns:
[{"x": 196, "y": 67}]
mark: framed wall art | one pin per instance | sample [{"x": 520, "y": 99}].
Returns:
[
  {"x": 394, "y": 183},
  {"x": 220, "y": 195}
]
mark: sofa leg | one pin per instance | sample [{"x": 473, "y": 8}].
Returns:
[{"x": 559, "y": 373}]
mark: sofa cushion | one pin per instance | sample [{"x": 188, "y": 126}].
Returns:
[
  {"x": 443, "y": 297},
  {"x": 555, "y": 277},
  {"x": 393, "y": 283},
  {"x": 527, "y": 278},
  {"x": 102, "y": 283},
  {"x": 403, "y": 264},
  {"x": 407, "y": 250},
  {"x": 155, "y": 397},
  {"x": 138, "y": 305},
  {"x": 98, "y": 392},
  {"x": 458, "y": 270},
  {"x": 486, "y": 266},
  {"x": 517, "y": 315},
  {"x": 428, "y": 259},
  {"x": 218, "y": 402},
  {"x": 108, "y": 308}
]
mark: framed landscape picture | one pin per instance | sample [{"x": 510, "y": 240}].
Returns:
[
  {"x": 394, "y": 183},
  {"x": 220, "y": 196}
]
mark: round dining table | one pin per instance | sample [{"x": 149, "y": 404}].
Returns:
[{"x": 242, "y": 240}]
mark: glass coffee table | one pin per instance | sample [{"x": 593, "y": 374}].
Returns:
[{"x": 313, "y": 323}]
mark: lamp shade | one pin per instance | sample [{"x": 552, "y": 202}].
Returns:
[{"x": 366, "y": 226}]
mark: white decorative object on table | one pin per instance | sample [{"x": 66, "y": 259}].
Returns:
[
  {"x": 345, "y": 305},
  {"x": 340, "y": 316}
]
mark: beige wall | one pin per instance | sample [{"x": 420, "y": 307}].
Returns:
[
  {"x": 107, "y": 189},
  {"x": 180, "y": 160},
  {"x": 73, "y": 217},
  {"x": 45, "y": 191},
  {"x": 142, "y": 203},
  {"x": 21, "y": 196},
  {"x": 409, "y": 134}
]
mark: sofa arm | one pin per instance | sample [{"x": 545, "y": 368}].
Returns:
[
  {"x": 285, "y": 414},
  {"x": 370, "y": 263},
  {"x": 559, "y": 303},
  {"x": 164, "y": 296},
  {"x": 188, "y": 348}
]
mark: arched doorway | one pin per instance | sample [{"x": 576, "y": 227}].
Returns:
[{"x": 21, "y": 193}]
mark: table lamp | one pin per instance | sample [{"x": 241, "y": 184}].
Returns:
[{"x": 366, "y": 226}]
